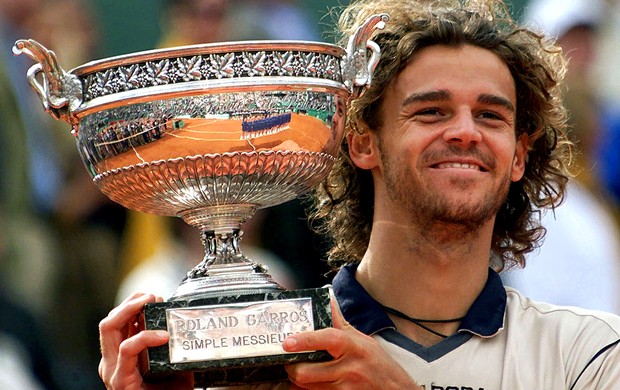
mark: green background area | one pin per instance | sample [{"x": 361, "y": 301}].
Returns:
[{"x": 134, "y": 25}]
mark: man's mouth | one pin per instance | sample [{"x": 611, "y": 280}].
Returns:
[{"x": 459, "y": 165}]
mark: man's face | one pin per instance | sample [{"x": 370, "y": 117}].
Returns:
[{"x": 447, "y": 147}]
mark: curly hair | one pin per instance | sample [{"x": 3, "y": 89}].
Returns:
[{"x": 344, "y": 201}]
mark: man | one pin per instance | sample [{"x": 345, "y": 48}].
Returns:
[{"x": 459, "y": 138}]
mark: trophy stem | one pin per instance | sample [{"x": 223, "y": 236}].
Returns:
[
  {"x": 222, "y": 249},
  {"x": 224, "y": 267}
]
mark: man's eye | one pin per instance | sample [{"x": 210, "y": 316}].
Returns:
[
  {"x": 490, "y": 115},
  {"x": 428, "y": 111}
]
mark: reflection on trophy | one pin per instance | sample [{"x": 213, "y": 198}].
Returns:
[{"x": 211, "y": 133}]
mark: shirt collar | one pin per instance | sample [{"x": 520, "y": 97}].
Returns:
[{"x": 485, "y": 317}]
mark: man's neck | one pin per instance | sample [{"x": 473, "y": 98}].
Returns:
[{"x": 434, "y": 275}]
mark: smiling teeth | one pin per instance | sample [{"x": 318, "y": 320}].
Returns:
[{"x": 458, "y": 165}]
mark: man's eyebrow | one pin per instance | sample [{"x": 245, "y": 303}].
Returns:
[
  {"x": 444, "y": 95},
  {"x": 496, "y": 101},
  {"x": 428, "y": 96}
]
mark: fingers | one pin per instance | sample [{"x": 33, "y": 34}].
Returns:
[
  {"x": 304, "y": 374},
  {"x": 342, "y": 345},
  {"x": 114, "y": 328},
  {"x": 331, "y": 340},
  {"x": 120, "y": 346},
  {"x": 131, "y": 348},
  {"x": 359, "y": 360},
  {"x": 337, "y": 317},
  {"x": 325, "y": 339},
  {"x": 362, "y": 364}
]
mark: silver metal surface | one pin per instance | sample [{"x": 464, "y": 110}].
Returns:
[
  {"x": 235, "y": 330},
  {"x": 209, "y": 133}
]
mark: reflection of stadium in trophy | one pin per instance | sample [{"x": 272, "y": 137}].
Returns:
[
  {"x": 271, "y": 149},
  {"x": 125, "y": 130}
]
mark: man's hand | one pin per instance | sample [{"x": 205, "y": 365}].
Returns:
[
  {"x": 359, "y": 361},
  {"x": 122, "y": 343}
]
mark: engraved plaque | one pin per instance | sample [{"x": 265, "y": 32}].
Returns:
[
  {"x": 235, "y": 330},
  {"x": 236, "y": 338}
]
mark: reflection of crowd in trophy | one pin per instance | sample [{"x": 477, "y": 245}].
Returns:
[
  {"x": 120, "y": 136},
  {"x": 271, "y": 113},
  {"x": 315, "y": 104},
  {"x": 255, "y": 125}
]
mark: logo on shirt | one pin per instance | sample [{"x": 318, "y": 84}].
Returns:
[{"x": 437, "y": 387}]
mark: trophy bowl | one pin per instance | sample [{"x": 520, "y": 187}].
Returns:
[{"x": 211, "y": 133}]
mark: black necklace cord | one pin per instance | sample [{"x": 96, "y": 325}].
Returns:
[{"x": 420, "y": 322}]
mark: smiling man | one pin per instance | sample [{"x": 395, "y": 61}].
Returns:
[
  {"x": 445, "y": 140},
  {"x": 458, "y": 140},
  {"x": 449, "y": 152}
]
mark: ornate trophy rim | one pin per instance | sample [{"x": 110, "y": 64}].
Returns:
[
  {"x": 206, "y": 48},
  {"x": 63, "y": 93},
  {"x": 207, "y": 68}
]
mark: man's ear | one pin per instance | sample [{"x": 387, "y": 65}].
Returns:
[
  {"x": 363, "y": 149},
  {"x": 520, "y": 157}
]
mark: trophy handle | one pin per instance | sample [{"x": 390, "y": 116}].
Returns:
[
  {"x": 59, "y": 91},
  {"x": 358, "y": 68}
]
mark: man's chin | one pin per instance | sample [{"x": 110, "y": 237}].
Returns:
[{"x": 469, "y": 215}]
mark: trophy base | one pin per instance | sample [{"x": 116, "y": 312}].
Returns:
[{"x": 233, "y": 339}]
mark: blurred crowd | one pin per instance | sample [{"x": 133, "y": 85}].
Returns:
[
  {"x": 68, "y": 254},
  {"x": 579, "y": 261}
]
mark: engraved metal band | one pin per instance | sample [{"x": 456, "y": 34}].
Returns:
[{"x": 211, "y": 67}]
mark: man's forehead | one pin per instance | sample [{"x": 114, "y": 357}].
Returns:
[{"x": 436, "y": 71}]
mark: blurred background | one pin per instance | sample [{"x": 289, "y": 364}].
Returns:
[{"x": 68, "y": 255}]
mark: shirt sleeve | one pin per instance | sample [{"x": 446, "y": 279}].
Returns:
[{"x": 602, "y": 371}]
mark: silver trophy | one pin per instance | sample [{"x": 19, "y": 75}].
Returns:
[{"x": 211, "y": 133}]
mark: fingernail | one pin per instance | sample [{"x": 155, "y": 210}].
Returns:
[
  {"x": 289, "y": 343},
  {"x": 161, "y": 333}
]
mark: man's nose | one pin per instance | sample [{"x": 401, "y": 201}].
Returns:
[{"x": 462, "y": 130}]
